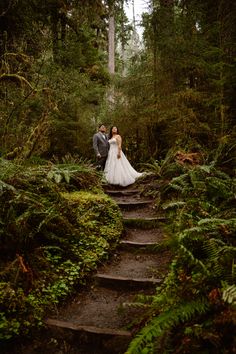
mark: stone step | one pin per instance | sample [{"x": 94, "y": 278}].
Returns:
[
  {"x": 153, "y": 235},
  {"x": 130, "y": 269},
  {"x": 134, "y": 245},
  {"x": 88, "y": 329},
  {"x": 100, "y": 307},
  {"x": 133, "y": 203},
  {"x": 115, "y": 281},
  {"x": 88, "y": 339},
  {"x": 122, "y": 192},
  {"x": 96, "y": 321},
  {"x": 144, "y": 222}
]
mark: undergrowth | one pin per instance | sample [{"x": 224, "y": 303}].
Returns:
[
  {"x": 56, "y": 226},
  {"x": 194, "y": 310}
]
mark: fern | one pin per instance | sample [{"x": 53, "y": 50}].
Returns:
[
  {"x": 206, "y": 225},
  {"x": 8, "y": 169},
  {"x": 218, "y": 187},
  {"x": 206, "y": 168},
  {"x": 197, "y": 179},
  {"x": 219, "y": 256},
  {"x": 229, "y": 295},
  {"x": 215, "y": 222},
  {"x": 5, "y": 187},
  {"x": 76, "y": 160},
  {"x": 176, "y": 187},
  {"x": 194, "y": 260},
  {"x": 156, "y": 328},
  {"x": 154, "y": 167},
  {"x": 173, "y": 204},
  {"x": 182, "y": 180},
  {"x": 201, "y": 203}
]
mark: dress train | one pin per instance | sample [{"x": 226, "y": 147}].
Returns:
[{"x": 119, "y": 171}]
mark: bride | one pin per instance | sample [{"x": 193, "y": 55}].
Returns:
[{"x": 118, "y": 170}]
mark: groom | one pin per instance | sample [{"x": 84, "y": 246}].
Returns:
[{"x": 101, "y": 146}]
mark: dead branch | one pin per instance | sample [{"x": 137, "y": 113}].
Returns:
[
  {"x": 21, "y": 57},
  {"x": 21, "y": 262},
  {"x": 16, "y": 79}
]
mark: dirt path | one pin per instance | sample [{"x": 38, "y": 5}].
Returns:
[{"x": 101, "y": 318}]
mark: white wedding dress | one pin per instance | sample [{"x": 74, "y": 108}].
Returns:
[{"x": 119, "y": 171}]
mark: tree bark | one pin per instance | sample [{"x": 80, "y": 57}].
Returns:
[{"x": 111, "y": 42}]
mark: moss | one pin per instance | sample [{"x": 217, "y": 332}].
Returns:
[{"x": 51, "y": 240}]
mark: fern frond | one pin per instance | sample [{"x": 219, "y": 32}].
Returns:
[
  {"x": 157, "y": 327},
  {"x": 219, "y": 187},
  {"x": 50, "y": 214},
  {"x": 173, "y": 204},
  {"x": 189, "y": 232},
  {"x": 176, "y": 187},
  {"x": 229, "y": 295},
  {"x": 194, "y": 260},
  {"x": 153, "y": 167},
  {"x": 219, "y": 254},
  {"x": 5, "y": 186},
  {"x": 205, "y": 168},
  {"x": 217, "y": 221},
  {"x": 169, "y": 169},
  {"x": 181, "y": 180},
  {"x": 196, "y": 176}
]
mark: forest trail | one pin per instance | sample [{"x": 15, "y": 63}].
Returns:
[
  {"x": 104, "y": 316},
  {"x": 101, "y": 319}
]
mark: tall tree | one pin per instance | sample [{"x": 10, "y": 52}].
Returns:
[
  {"x": 111, "y": 40},
  {"x": 53, "y": 68},
  {"x": 181, "y": 91}
]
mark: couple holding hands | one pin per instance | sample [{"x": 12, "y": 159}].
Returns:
[{"x": 111, "y": 159}]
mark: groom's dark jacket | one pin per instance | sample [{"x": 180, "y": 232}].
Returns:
[{"x": 100, "y": 144}]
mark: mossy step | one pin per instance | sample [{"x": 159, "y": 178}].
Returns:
[
  {"x": 146, "y": 218},
  {"x": 121, "y": 192},
  {"x": 115, "y": 281},
  {"x": 143, "y": 223}
]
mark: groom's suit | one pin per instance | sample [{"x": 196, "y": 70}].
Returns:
[{"x": 101, "y": 147}]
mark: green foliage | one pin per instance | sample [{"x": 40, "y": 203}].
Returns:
[
  {"x": 165, "y": 168},
  {"x": 159, "y": 326},
  {"x": 56, "y": 225},
  {"x": 229, "y": 294},
  {"x": 196, "y": 302},
  {"x": 179, "y": 89},
  {"x": 53, "y": 69},
  {"x": 78, "y": 176}
]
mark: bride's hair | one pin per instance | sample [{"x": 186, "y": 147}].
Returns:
[{"x": 110, "y": 134}]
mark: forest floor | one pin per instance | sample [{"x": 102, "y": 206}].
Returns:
[{"x": 104, "y": 316}]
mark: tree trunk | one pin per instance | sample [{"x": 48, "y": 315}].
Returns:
[
  {"x": 111, "y": 52},
  {"x": 111, "y": 42}
]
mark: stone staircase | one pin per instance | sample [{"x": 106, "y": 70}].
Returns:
[{"x": 101, "y": 318}]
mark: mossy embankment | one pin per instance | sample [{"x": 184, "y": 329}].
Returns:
[{"x": 56, "y": 226}]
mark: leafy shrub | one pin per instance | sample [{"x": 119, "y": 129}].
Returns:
[
  {"x": 194, "y": 309},
  {"x": 50, "y": 238}
]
